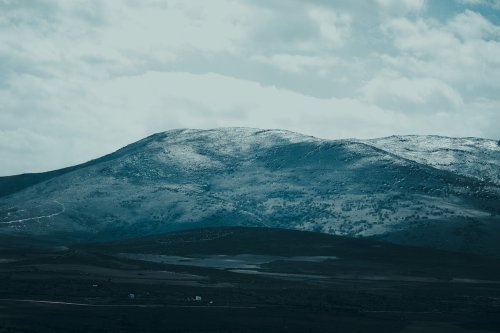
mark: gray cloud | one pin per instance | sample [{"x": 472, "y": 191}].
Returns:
[{"x": 81, "y": 78}]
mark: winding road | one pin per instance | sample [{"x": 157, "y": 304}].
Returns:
[{"x": 63, "y": 209}]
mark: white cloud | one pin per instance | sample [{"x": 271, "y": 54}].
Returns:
[
  {"x": 462, "y": 52},
  {"x": 115, "y": 112},
  {"x": 297, "y": 63},
  {"x": 118, "y": 37},
  {"x": 402, "y": 6},
  {"x": 334, "y": 27},
  {"x": 419, "y": 36},
  {"x": 81, "y": 78},
  {"x": 472, "y": 25},
  {"x": 491, "y": 3},
  {"x": 397, "y": 92},
  {"x": 218, "y": 25},
  {"x": 472, "y": 2}
]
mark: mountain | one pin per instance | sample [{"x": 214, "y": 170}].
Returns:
[
  {"x": 472, "y": 157},
  {"x": 184, "y": 179}
]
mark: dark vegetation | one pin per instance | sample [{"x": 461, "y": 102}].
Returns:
[
  {"x": 247, "y": 178},
  {"x": 16, "y": 183},
  {"x": 372, "y": 286}
]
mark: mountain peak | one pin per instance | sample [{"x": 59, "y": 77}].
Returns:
[
  {"x": 219, "y": 141},
  {"x": 189, "y": 178},
  {"x": 232, "y": 134}
]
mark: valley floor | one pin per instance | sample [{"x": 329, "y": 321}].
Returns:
[{"x": 96, "y": 289}]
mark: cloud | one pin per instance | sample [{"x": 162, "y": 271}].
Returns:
[
  {"x": 333, "y": 27},
  {"x": 490, "y": 3},
  {"x": 465, "y": 59},
  {"x": 79, "y": 79},
  {"x": 110, "y": 38},
  {"x": 472, "y": 25},
  {"x": 402, "y": 6},
  {"x": 116, "y": 112},
  {"x": 297, "y": 63},
  {"x": 399, "y": 93}
]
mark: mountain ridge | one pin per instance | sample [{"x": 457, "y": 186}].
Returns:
[
  {"x": 370, "y": 142},
  {"x": 468, "y": 156},
  {"x": 238, "y": 176}
]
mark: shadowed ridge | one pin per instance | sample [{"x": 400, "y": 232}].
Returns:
[
  {"x": 16, "y": 183},
  {"x": 185, "y": 178},
  {"x": 470, "y": 157}
]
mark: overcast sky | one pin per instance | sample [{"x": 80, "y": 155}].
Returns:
[{"x": 79, "y": 79}]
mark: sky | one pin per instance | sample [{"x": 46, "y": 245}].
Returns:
[{"x": 80, "y": 79}]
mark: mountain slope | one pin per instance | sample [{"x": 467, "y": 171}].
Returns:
[
  {"x": 472, "y": 157},
  {"x": 236, "y": 176},
  {"x": 16, "y": 183}
]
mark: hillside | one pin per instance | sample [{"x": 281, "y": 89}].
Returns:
[
  {"x": 472, "y": 157},
  {"x": 236, "y": 176}
]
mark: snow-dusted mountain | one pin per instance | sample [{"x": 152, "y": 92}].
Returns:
[
  {"x": 473, "y": 157},
  {"x": 238, "y": 176}
]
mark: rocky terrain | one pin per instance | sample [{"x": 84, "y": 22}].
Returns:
[{"x": 431, "y": 191}]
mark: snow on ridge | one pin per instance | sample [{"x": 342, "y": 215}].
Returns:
[
  {"x": 202, "y": 149},
  {"x": 229, "y": 140},
  {"x": 472, "y": 157},
  {"x": 187, "y": 157},
  {"x": 195, "y": 149},
  {"x": 429, "y": 142},
  {"x": 236, "y": 134}
]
